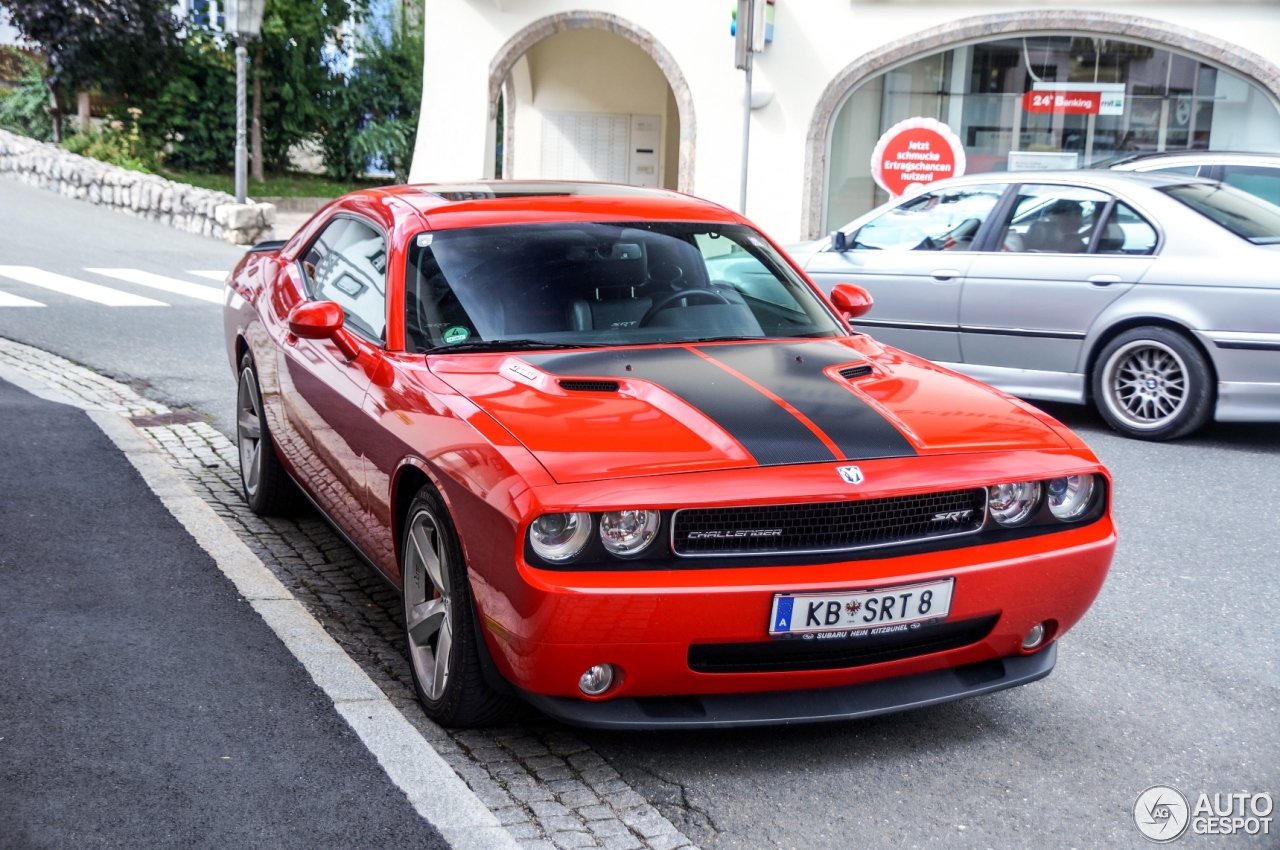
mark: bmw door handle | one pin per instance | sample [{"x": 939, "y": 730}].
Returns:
[
  {"x": 1104, "y": 279},
  {"x": 945, "y": 274}
]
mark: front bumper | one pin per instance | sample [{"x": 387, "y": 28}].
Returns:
[
  {"x": 657, "y": 627},
  {"x": 719, "y": 711}
]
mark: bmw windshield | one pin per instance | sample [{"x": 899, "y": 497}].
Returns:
[{"x": 586, "y": 284}]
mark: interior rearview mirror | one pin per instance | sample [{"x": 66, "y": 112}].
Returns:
[{"x": 852, "y": 301}]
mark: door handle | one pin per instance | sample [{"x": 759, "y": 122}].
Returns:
[
  {"x": 944, "y": 274},
  {"x": 1104, "y": 279}
]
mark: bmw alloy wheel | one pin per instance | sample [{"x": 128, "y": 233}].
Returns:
[
  {"x": 428, "y": 604},
  {"x": 249, "y": 432},
  {"x": 1145, "y": 384}
]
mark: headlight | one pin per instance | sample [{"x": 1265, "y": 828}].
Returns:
[
  {"x": 1013, "y": 504},
  {"x": 1070, "y": 497},
  {"x": 628, "y": 533},
  {"x": 559, "y": 537}
]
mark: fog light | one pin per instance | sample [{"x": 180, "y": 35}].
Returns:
[
  {"x": 1034, "y": 638},
  {"x": 596, "y": 680}
]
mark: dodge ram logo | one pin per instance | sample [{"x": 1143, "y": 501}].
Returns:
[{"x": 851, "y": 474}]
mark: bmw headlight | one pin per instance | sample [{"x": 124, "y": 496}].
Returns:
[
  {"x": 560, "y": 537},
  {"x": 1013, "y": 504},
  {"x": 1070, "y": 497},
  {"x": 627, "y": 533}
]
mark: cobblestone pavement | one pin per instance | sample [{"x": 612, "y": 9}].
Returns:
[{"x": 547, "y": 786}]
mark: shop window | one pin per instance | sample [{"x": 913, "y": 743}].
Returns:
[{"x": 1136, "y": 99}]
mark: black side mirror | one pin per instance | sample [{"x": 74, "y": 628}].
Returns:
[{"x": 839, "y": 242}]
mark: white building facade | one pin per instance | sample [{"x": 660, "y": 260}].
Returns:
[{"x": 646, "y": 92}]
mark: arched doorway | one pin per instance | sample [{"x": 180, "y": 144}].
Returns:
[
  {"x": 587, "y": 95},
  {"x": 1173, "y": 90}
]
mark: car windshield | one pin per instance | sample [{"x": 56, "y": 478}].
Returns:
[
  {"x": 587, "y": 283},
  {"x": 1245, "y": 215}
]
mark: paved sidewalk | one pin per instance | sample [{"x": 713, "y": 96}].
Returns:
[{"x": 143, "y": 703}]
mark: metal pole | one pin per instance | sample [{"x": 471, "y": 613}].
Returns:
[
  {"x": 746, "y": 135},
  {"x": 242, "y": 149}
]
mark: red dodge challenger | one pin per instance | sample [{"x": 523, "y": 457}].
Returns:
[{"x": 627, "y": 463}]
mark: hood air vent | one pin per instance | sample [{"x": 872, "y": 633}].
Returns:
[
  {"x": 590, "y": 386},
  {"x": 855, "y": 371}
]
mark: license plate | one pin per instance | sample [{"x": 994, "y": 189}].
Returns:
[{"x": 879, "y": 611}]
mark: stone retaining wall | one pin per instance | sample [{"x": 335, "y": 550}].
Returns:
[{"x": 178, "y": 205}]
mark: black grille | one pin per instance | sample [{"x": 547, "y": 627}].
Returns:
[
  {"x": 795, "y": 654},
  {"x": 851, "y": 372},
  {"x": 591, "y": 386},
  {"x": 827, "y": 526}
]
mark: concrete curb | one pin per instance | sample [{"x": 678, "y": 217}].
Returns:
[{"x": 434, "y": 790}]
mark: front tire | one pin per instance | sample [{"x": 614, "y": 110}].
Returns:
[
  {"x": 440, "y": 631},
  {"x": 267, "y": 487},
  {"x": 1153, "y": 383}
]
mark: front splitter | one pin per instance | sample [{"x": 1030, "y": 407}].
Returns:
[{"x": 820, "y": 705}]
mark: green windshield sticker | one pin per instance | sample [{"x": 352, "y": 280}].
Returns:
[{"x": 456, "y": 334}]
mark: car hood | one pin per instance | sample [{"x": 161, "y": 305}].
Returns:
[{"x": 619, "y": 412}]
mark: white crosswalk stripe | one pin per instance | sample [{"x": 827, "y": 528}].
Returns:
[
  {"x": 9, "y": 300},
  {"x": 77, "y": 288},
  {"x": 220, "y": 277},
  {"x": 168, "y": 284}
]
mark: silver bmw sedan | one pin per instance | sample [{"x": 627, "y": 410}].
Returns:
[{"x": 1155, "y": 296}]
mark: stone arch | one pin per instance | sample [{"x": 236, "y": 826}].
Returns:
[
  {"x": 983, "y": 27},
  {"x": 543, "y": 28}
]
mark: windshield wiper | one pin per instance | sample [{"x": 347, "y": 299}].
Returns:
[
  {"x": 506, "y": 345},
  {"x": 727, "y": 339}
]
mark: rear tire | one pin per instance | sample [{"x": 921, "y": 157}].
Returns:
[
  {"x": 267, "y": 487},
  {"x": 1153, "y": 383},
  {"x": 439, "y": 615}
]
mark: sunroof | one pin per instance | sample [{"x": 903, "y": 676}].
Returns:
[{"x": 531, "y": 189}]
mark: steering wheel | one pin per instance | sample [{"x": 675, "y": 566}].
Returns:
[{"x": 667, "y": 300}]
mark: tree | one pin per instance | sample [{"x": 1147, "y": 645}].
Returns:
[
  {"x": 387, "y": 84},
  {"x": 126, "y": 48},
  {"x": 373, "y": 115}
]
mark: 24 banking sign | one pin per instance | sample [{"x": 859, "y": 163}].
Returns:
[{"x": 915, "y": 153}]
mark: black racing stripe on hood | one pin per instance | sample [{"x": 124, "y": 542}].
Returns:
[
  {"x": 767, "y": 430},
  {"x": 860, "y": 431}
]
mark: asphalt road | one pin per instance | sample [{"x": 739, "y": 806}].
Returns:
[
  {"x": 1171, "y": 678},
  {"x": 172, "y": 353},
  {"x": 143, "y": 703}
]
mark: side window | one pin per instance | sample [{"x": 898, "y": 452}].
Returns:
[
  {"x": 1262, "y": 182},
  {"x": 946, "y": 220},
  {"x": 1126, "y": 232},
  {"x": 347, "y": 264},
  {"x": 1052, "y": 220},
  {"x": 1189, "y": 170}
]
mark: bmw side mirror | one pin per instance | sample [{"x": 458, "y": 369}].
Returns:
[
  {"x": 323, "y": 320},
  {"x": 851, "y": 301},
  {"x": 839, "y": 242}
]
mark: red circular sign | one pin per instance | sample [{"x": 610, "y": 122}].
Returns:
[{"x": 918, "y": 151}]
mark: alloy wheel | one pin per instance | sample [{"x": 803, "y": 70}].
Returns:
[
  {"x": 249, "y": 432},
  {"x": 1145, "y": 383},
  {"x": 428, "y": 605}
]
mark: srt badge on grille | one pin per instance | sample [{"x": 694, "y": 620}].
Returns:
[
  {"x": 953, "y": 516},
  {"x": 717, "y": 534},
  {"x": 851, "y": 474}
]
